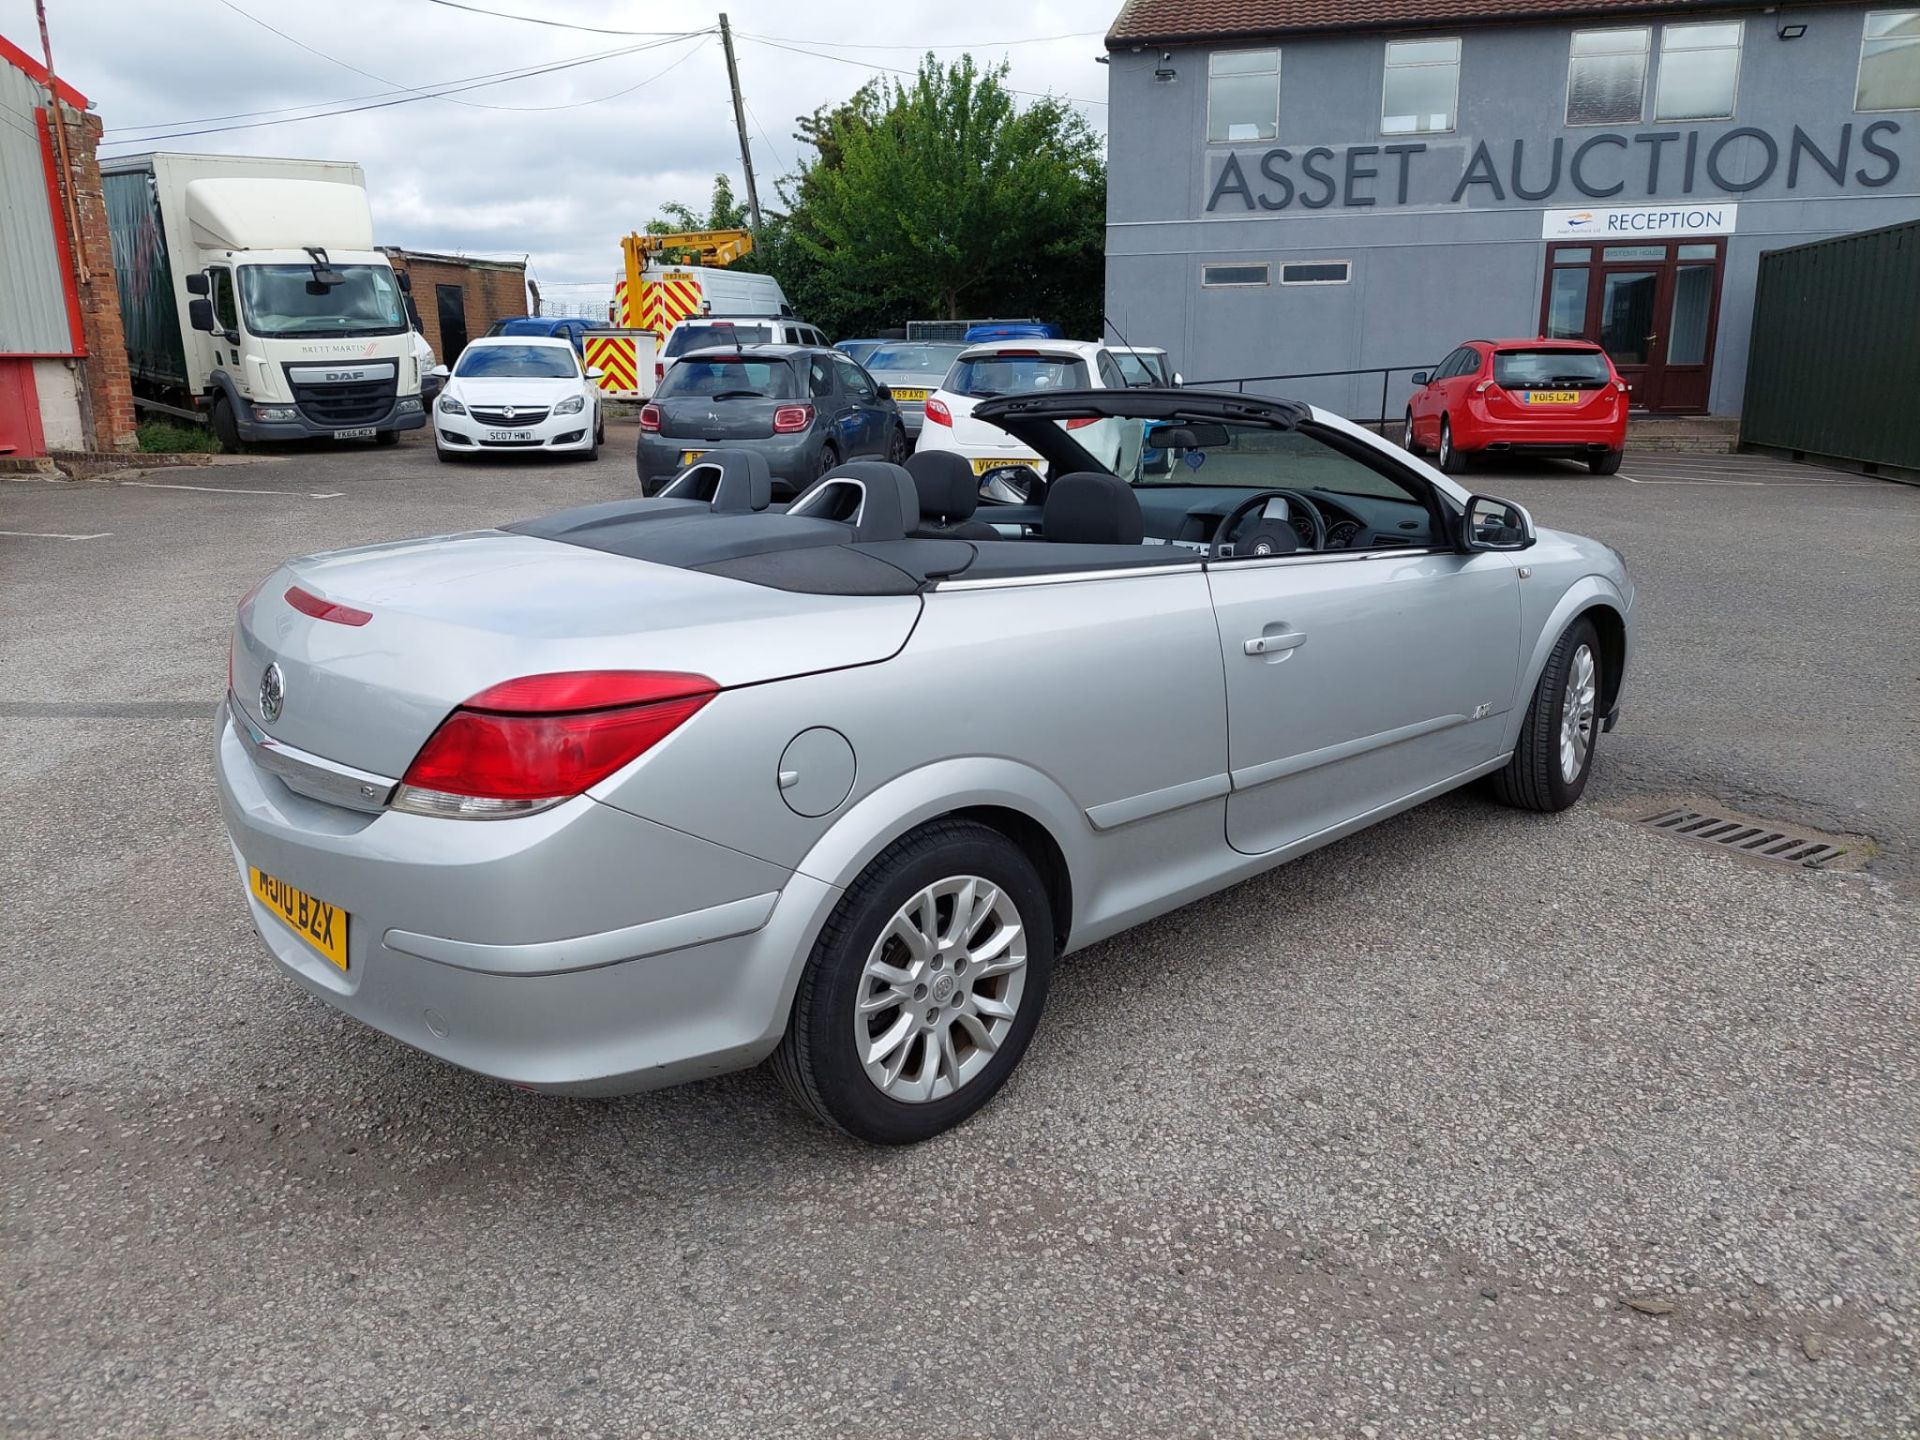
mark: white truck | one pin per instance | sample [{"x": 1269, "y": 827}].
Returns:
[{"x": 253, "y": 299}]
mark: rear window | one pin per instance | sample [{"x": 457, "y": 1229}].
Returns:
[
  {"x": 730, "y": 376},
  {"x": 698, "y": 337},
  {"x": 546, "y": 362},
  {"x": 1143, "y": 369},
  {"x": 1016, "y": 374},
  {"x": 1532, "y": 369}
]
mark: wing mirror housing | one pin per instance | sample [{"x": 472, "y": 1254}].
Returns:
[
  {"x": 200, "y": 312},
  {"x": 594, "y": 372},
  {"x": 440, "y": 370},
  {"x": 1494, "y": 524},
  {"x": 886, "y": 391},
  {"x": 1421, "y": 377},
  {"x": 197, "y": 283}
]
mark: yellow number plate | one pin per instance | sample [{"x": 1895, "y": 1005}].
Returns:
[
  {"x": 687, "y": 457},
  {"x": 321, "y": 925},
  {"x": 1553, "y": 397},
  {"x": 900, "y": 394},
  {"x": 981, "y": 467}
]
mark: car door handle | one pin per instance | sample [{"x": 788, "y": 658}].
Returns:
[{"x": 1273, "y": 644}]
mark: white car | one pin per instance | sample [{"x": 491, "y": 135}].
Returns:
[
  {"x": 1026, "y": 367},
  {"x": 1146, "y": 365},
  {"x": 519, "y": 392},
  {"x": 704, "y": 332}
]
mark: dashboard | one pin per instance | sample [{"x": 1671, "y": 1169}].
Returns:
[{"x": 1187, "y": 516}]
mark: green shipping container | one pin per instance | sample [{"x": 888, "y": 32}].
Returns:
[
  {"x": 1834, "y": 365},
  {"x": 148, "y": 310}
]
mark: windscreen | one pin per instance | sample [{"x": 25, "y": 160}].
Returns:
[
  {"x": 1024, "y": 373},
  {"x": 1532, "y": 369},
  {"x": 286, "y": 300},
  {"x": 700, "y": 337},
  {"x": 543, "y": 362},
  {"x": 730, "y": 377},
  {"x": 932, "y": 361},
  {"x": 1142, "y": 369}
]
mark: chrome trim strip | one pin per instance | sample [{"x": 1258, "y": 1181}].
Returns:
[
  {"x": 1324, "y": 557},
  {"x": 310, "y": 775},
  {"x": 1249, "y": 776},
  {"x": 591, "y": 952},
  {"x": 1157, "y": 802},
  {"x": 1006, "y": 582}
]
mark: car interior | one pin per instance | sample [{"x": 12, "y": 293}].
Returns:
[{"x": 1266, "y": 482}]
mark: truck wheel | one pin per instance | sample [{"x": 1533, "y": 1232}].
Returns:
[
  {"x": 226, "y": 428},
  {"x": 387, "y": 437}
]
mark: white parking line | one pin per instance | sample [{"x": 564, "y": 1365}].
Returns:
[
  {"x": 54, "y": 535},
  {"x": 232, "y": 489}
]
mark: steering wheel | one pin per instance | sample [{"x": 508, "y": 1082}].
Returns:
[{"x": 1223, "y": 535}]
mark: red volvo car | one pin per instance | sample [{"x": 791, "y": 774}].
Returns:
[{"x": 1534, "y": 397}]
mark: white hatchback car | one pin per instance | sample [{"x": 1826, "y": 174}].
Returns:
[
  {"x": 519, "y": 392},
  {"x": 1026, "y": 367}
]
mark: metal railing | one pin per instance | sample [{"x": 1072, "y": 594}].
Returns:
[{"x": 1386, "y": 374}]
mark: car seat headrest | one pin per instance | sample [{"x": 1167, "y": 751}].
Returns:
[
  {"x": 1089, "y": 508},
  {"x": 948, "y": 489},
  {"x": 875, "y": 497}
]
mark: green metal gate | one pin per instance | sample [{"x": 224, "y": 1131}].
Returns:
[{"x": 1834, "y": 365}]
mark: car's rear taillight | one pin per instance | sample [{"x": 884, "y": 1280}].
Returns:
[
  {"x": 790, "y": 418},
  {"x": 1082, "y": 421},
  {"x": 307, "y": 603},
  {"x": 659, "y": 371},
  {"x": 1483, "y": 387},
  {"x": 528, "y": 744},
  {"x": 938, "y": 412},
  {"x": 650, "y": 419}
]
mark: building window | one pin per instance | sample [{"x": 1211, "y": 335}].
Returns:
[
  {"x": 1316, "y": 272},
  {"x": 1216, "y": 275},
  {"x": 1422, "y": 87},
  {"x": 1889, "y": 62},
  {"x": 1607, "y": 76},
  {"x": 1243, "y": 95},
  {"x": 1699, "y": 71}
]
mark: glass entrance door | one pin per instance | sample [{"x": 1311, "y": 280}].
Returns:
[{"x": 1651, "y": 306}]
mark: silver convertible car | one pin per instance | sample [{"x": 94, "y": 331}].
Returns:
[{"x": 660, "y": 788}]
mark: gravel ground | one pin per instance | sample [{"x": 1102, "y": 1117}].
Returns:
[{"x": 1476, "y": 1123}]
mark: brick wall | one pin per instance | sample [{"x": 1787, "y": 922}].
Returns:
[
  {"x": 108, "y": 410},
  {"x": 491, "y": 290}
]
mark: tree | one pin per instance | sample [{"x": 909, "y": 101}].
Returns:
[{"x": 939, "y": 196}]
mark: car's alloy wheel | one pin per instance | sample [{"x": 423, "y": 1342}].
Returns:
[
  {"x": 1407, "y": 442},
  {"x": 897, "y": 447},
  {"x": 1576, "y": 714},
  {"x": 1450, "y": 460},
  {"x": 829, "y": 457},
  {"x": 924, "y": 987},
  {"x": 940, "y": 989}
]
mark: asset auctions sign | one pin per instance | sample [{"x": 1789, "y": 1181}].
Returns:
[{"x": 1648, "y": 220}]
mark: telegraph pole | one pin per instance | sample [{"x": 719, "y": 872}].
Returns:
[{"x": 740, "y": 123}]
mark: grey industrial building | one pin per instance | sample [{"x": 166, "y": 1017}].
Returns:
[{"x": 1338, "y": 185}]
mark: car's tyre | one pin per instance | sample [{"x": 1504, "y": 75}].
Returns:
[
  {"x": 1606, "y": 463},
  {"x": 386, "y": 437},
  {"x": 1407, "y": 440},
  {"x": 226, "y": 427},
  {"x": 1554, "y": 755},
  {"x": 1450, "y": 460},
  {"x": 898, "y": 448},
  {"x": 829, "y": 457},
  {"x": 444, "y": 455},
  {"x": 599, "y": 430},
  {"x": 924, "y": 987}
]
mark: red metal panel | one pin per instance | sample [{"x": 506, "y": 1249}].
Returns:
[
  {"x": 21, "y": 60},
  {"x": 20, "y": 432}
]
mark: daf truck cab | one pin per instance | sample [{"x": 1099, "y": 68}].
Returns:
[{"x": 255, "y": 301}]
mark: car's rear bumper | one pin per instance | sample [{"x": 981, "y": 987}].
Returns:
[
  {"x": 582, "y": 949},
  {"x": 792, "y": 459},
  {"x": 1476, "y": 428}
]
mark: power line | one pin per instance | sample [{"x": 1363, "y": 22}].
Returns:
[
  {"x": 943, "y": 45},
  {"x": 326, "y": 109},
  {"x": 896, "y": 70},
  {"x": 538, "y": 20}
]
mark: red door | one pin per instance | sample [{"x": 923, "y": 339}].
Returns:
[
  {"x": 19, "y": 410},
  {"x": 1653, "y": 307}
]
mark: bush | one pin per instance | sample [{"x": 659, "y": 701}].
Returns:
[{"x": 175, "y": 437}]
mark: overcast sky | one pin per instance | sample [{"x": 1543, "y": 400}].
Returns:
[{"x": 524, "y": 167}]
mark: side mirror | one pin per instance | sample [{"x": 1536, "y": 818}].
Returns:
[
  {"x": 1176, "y": 378},
  {"x": 1492, "y": 524},
  {"x": 1420, "y": 377},
  {"x": 885, "y": 391},
  {"x": 200, "y": 313},
  {"x": 404, "y": 281},
  {"x": 441, "y": 371},
  {"x": 197, "y": 283},
  {"x": 594, "y": 372}
]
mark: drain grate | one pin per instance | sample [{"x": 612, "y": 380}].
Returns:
[{"x": 1745, "y": 838}]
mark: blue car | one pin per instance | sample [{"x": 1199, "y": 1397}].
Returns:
[
  {"x": 1011, "y": 330},
  {"x": 572, "y": 327},
  {"x": 858, "y": 350}
]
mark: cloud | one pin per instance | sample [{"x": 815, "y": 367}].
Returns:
[{"x": 498, "y": 170}]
